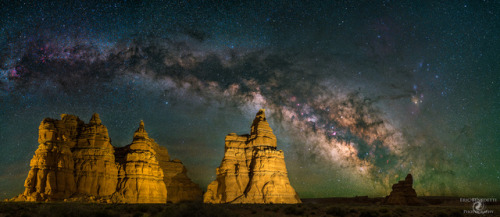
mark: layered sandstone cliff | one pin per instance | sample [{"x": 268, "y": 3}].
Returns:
[
  {"x": 140, "y": 177},
  {"x": 403, "y": 193},
  {"x": 52, "y": 168},
  {"x": 252, "y": 170},
  {"x": 76, "y": 161},
  {"x": 95, "y": 168},
  {"x": 179, "y": 186}
]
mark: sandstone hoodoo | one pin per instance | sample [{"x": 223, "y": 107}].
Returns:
[
  {"x": 140, "y": 178},
  {"x": 403, "y": 193},
  {"x": 252, "y": 170},
  {"x": 76, "y": 161}
]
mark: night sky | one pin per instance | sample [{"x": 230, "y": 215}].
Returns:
[{"x": 358, "y": 93}]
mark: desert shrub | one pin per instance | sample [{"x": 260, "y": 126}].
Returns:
[
  {"x": 441, "y": 214},
  {"x": 143, "y": 207},
  {"x": 367, "y": 213},
  {"x": 168, "y": 211},
  {"x": 25, "y": 214},
  {"x": 336, "y": 211},
  {"x": 456, "y": 214},
  {"x": 74, "y": 209},
  {"x": 155, "y": 209},
  {"x": 194, "y": 210},
  {"x": 292, "y": 210},
  {"x": 9, "y": 208},
  {"x": 137, "y": 214},
  {"x": 105, "y": 213},
  {"x": 276, "y": 209},
  {"x": 129, "y": 209},
  {"x": 313, "y": 206},
  {"x": 399, "y": 210}
]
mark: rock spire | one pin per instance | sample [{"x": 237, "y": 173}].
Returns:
[
  {"x": 76, "y": 162},
  {"x": 252, "y": 170},
  {"x": 403, "y": 193}
]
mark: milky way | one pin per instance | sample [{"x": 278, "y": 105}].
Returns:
[{"x": 358, "y": 94}]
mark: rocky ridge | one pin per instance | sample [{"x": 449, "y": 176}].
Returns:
[{"x": 76, "y": 162}]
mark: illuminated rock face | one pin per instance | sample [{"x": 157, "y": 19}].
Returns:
[
  {"x": 95, "y": 168},
  {"x": 252, "y": 170},
  {"x": 403, "y": 193},
  {"x": 76, "y": 161},
  {"x": 52, "y": 168},
  {"x": 140, "y": 178}
]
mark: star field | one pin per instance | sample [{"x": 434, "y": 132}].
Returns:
[{"x": 358, "y": 93}]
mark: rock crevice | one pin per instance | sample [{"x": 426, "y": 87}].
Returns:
[
  {"x": 76, "y": 161},
  {"x": 252, "y": 170}
]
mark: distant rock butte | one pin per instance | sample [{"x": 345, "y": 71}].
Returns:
[
  {"x": 76, "y": 162},
  {"x": 403, "y": 193},
  {"x": 252, "y": 170}
]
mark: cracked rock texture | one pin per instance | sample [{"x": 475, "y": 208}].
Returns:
[
  {"x": 252, "y": 170},
  {"x": 76, "y": 162}
]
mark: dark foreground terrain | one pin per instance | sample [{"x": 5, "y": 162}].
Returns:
[{"x": 359, "y": 206}]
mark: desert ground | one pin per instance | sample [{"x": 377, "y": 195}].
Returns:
[{"x": 357, "y": 206}]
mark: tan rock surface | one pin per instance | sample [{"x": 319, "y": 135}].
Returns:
[
  {"x": 76, "y": 162},
  {"x": 179, "y": 186},
  {"x": 96, "y": 172},
  {"x": 252, "y": 170},
  {"x": 52, "y": 167},
  {"x": 140, "y": 177},
  {"x": 403, "y": 193}
]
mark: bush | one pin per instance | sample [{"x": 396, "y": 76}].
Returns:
[
  {"x": 367, "y": 213},
  {"x": 194, "y": 210},
  {"x": 143, "y": 207},
  {"x": 103, "y": 213},
  {"x": 441, "y": 214},
  {"x": 137, "y": 214},
  {"x": 336, "y": 211},
  {"x": 276, "y": 209},
  {"x": 292, "y": 210},
  {"x": 399, "y": 210},
  {"x": 456, "y": 214}
]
